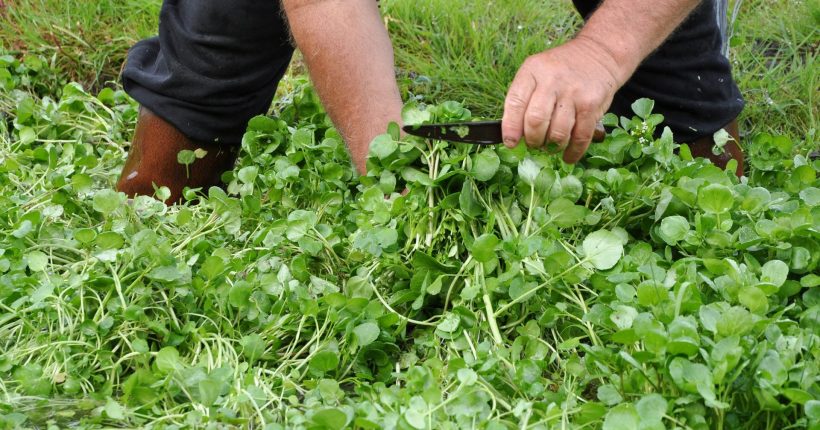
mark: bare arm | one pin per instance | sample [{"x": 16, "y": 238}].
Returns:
[
  {"x": 350, "y": 59},
  {"x": 630, "y": 30},
  {"x": 558, "y": 95}
]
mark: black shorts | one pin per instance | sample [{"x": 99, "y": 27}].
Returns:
[{"x": 216, "y": 64}]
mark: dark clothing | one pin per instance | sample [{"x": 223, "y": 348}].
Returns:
[
  {"x": 689, "y": 77},
  {"x": 216, "y": 64}
]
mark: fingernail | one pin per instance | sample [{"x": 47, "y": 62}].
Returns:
[{"x": 510, "y": 143}]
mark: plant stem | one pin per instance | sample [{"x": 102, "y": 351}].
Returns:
[{"x": 491, "y": 319}]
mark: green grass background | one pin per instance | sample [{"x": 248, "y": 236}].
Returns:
[{"x": 456, "y": 49}]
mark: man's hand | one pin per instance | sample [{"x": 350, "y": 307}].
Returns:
[{"x": 559, "y": 96}]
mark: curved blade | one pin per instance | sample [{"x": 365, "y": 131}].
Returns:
[{"x": 475, "y": 132}]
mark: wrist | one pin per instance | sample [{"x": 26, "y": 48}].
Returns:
[
  {"x": 358, "y": 156},
  {"x": 620, "y": 63}
]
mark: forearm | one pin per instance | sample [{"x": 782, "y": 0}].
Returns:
[
  {"x": 350, "y": 60},
  {"x": 629, "y": 30}
]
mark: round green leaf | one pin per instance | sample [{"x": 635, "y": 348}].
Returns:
[
  {"x": 483, "y": 248},
  {"x": 485, "y": 165},
  {"x": 415, "y": 418},
  {"x": 252, "y": 347},
  {"x": 715, "y": 198},
  {"x": 367, "y": 333},
  {"x": 622, "y": 417},
  {"x": 212, "y": 267},
  {"x": 114, "y": 410},
  {"x": 683, "y": 336},
  {"x": 753, "y": 298},
  {"x": 23, "y": 230},
  {"x": 248, "y": 174},
  {"x": 643, "y": 107},
  {"x": 450, "y": 323},
  {"x": 332, "y": 419},
  {"x": 565, "y": 213},
  {"x": 651, "y": 408},
  {"x": 797, "y": 395},
  {"x": 299, "y": 223},
  {"x": 383, "y": 146},
  {"x": 139, "y": 345},
  {"x": 756, "y": 199},
  {"x": 623, "y": 316},
  {"x": 811, "y": 196},
  {"x": 603, "y": 249},
  {"x": 107, "y": 201},
  {"x": 167, "y": 360},
  {"x": 673, "y": 229},
  {"x": 774, "y": 272},
  {"x": 609, "y": 395},
  {"x": 85, "y": 235},
  {"x": 168, "y": 273},
  {"x": 37, "y": 261},
  {"x": 209, "y": 390},
  {"x": 467, "y": 376},
  {"x": 412, "y": 175},
  {"x": 186, "y": 156},
  {"x": 110, "y": 240},
  {"x": 813, "y": 410},
  {"x": 240, "y": 294},
  {"x": 324, "y": 361},
  {"x": 468, "y": 204},
  {"x": 772, "y": 369}
]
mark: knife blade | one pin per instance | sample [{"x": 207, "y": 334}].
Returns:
[{"x": 473, "y": 132}]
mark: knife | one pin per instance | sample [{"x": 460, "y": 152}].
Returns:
[{"x": 474, "y": 132}]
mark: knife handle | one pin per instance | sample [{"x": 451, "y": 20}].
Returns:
[{"x": 599, "y": 134}]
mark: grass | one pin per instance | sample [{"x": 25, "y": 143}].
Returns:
[
  {"x": 457, "y": 49},
  {"x": 86, "y": 41},
  {"x": 774, "y": 53}
]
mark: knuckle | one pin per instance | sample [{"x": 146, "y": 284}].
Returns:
[
  {"x": 508, "y": 129},
  {"x": 587, "y": 104},
  {"x": 559, "y": 136},
  {"x": 535, "y": 117},
  {"x": 582, "y": 137},
  {"x": 516, "y": 101}
]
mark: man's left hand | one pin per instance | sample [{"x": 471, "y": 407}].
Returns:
[{"x": 559, "y": 95}]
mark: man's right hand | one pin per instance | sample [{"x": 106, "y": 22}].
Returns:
[{"x": 558, "y": 96}]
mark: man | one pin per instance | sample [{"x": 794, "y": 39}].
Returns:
[{"x": 216, "y": 64}]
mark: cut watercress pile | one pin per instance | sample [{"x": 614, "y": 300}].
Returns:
[{"x": 454, "y": 286}]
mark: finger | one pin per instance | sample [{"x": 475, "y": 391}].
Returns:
[
  {"x": 561, "y": 124},
  {"x": 600, "y": 132},
  {"x": 518, "y": 97},
  {"x": 537, "y": 117},
  {"x": 582, "y": 134}
]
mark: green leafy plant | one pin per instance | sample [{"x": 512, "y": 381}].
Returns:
[
  {"x": 453, "y": 286},
  {"x": 187, "y": 157}
]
